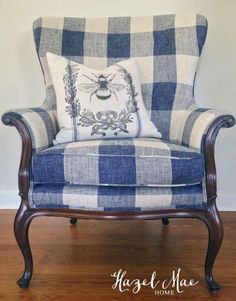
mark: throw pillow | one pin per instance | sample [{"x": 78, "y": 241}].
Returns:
[{"x": 95, "y": 104}]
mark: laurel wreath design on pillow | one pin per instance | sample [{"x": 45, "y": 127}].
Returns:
[
  {"x": 73, "y": 106},
  {"x": 102, "y": 120}
]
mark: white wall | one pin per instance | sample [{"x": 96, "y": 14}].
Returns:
[{"x": 22, "y": 82}]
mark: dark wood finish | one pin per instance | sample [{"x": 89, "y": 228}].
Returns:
[
  {"x": 21, "y": 227},
  {"x": 73, "y": 220},
  {"x": 74, "y": 262},
  {"x": 208, "y": 147},
  {"x": 215, "y": 229},
  {"x": 165, "y": 221},
  {"x": 209, "y": 216},
  {"x": 13, "y": 119}
]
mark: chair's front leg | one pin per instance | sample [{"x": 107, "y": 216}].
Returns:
[
  {"x": 215, "y": 230},
  {"x": 212, "y": 219},
  {"x": 21, "y": 227},
  {"x": 24, "y": 215}
]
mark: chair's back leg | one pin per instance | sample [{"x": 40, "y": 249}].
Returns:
[
  {"x": 73, "y": 220},
  {"x": 165, "y": 221},
  {"x": 215, "y": 229},
  {"x": 21, "y": 228}
]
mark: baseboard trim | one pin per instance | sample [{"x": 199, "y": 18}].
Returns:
[
  {"x": 10, "y": 200},
  {"x": 226, "y": 201}
]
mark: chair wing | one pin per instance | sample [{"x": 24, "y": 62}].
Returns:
[{"x": 166, "y": 48}]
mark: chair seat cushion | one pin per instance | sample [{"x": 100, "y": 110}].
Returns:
[
  {"x": 119, "y": 162},
  {"x": 116, "y": 198}
]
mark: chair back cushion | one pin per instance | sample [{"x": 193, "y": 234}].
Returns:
[{"x": 166, "y": 49}]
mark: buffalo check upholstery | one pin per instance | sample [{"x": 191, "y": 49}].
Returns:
[
  {"x": 116, "y": 198},
  {"x": 41, "y": 123},
  {"x": 132, "y": 174},
  {"x": 136, "y": 162}
]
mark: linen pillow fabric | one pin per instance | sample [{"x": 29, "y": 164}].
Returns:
[{"x": 95, "y": 104}]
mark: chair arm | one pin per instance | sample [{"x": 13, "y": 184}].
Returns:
[
  {"x": 37, "y": 127},
  {"x": 208, "y": 148},
  {"x": 198, "y": 123},
  {"x": 40, "y": 123},
  {"x": 199, "y": 128}
]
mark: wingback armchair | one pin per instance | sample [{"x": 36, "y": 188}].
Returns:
[{"x": 140, "y": 178}]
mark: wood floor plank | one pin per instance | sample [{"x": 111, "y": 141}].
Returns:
[{"x": 74, "y": 262}]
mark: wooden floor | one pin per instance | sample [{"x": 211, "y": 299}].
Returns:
[{"x": 74, "y": 262}]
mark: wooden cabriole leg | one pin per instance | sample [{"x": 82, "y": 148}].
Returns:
[
  {"x": 215, "y": 230},
  {"x": 21, "y": 228},
  {"x": 212, "y": 218}
]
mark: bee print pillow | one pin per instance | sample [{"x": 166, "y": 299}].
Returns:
[{"x": 95, "y": 104}]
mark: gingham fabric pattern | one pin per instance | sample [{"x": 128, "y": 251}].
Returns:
[
  {"x": 166, "y": 49},
  {"x": 122, "y": 162},
  {"x": 41, "y": 123},
  {"x": 190, "y": 126},
  {"x": 110, "y": 198}
]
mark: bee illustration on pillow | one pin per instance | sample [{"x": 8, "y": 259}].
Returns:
[{"x": 101, "y": 86}]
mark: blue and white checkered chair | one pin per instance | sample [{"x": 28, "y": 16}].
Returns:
[{"x": 141, "y": 178}]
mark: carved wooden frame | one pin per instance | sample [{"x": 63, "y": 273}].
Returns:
[{"x": 210, "y": 215}]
